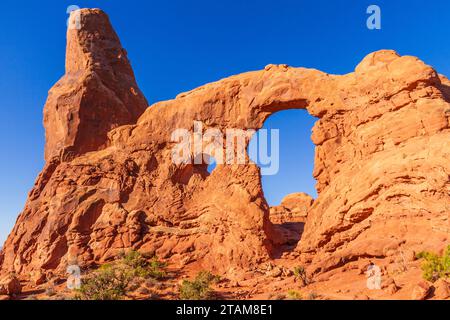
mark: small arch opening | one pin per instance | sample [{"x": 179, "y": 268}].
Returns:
[
  {"x": 205, "y": 163},
  {"x": 200, "y": 168},
  {"x": 212, "y": 165}
]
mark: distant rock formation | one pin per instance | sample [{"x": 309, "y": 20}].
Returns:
[
  {"x": 293, "y": 208},
  {"x": 382, "y": 165}
]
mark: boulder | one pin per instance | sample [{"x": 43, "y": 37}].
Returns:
[
  {"x": 421, "y": 291},
  {"x": 390, "y": 286},
  {"x": 10, "y": 285},
  {"x": 442, "y": 289}
]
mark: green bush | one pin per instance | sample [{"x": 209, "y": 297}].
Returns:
[
  {"x": 134, "y": 259},
  {"x": 294, "y": 295},
  {"x": 300, "y": 273},
  {"x": 207, "y": 277},
  {"x": 109, "y": 282},
  {"x": 435, "y": 267},
  {"x": 143, "y": 268},
  {"x": 155, "y": 268},
  {"x": 112, "y": 281},
  {"x": 199, "y": 288}
]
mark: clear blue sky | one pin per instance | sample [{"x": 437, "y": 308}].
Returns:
[{"x": 175, "y": 46}]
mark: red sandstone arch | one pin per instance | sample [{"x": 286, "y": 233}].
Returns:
[{"x": 382, "y": 150}]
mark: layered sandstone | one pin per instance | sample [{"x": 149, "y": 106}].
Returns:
[{"x": 382, "y": 165}]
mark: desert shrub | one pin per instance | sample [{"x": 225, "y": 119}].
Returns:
[
  {"x": 156, "y": 268},
  {"x": 134, "y": 259},
  {"x": 300, "y": 273},
  {"x": 112, "y": 281},
  {"x": 207, "y": 277},
  {"x": 199, "y": 288},
  {"x": 434, "y": 266},
  {"x": 294, "y": 295},
  {"x": 109, "y": 282},
  {"x": 143, "y": 268}
]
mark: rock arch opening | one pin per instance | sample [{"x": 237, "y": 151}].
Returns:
[
  {"x": 204, "y": 164},
  {"x": 290, "y": 190},
  {"x": 212, "y": 164}
]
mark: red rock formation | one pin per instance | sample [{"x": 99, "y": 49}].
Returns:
[
  {"x": 97, "y": 94},
  {"x": 289, "y": 218},
  {"x": 382, "y": 169},
  {"x": 382, "y": 166},
  {"x": 293, "y": 208}
]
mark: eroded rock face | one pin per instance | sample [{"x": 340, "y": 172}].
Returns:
[
  {"x": 98, "y": 92},
  {"x": 383, "y": 169},
  {"x": 382, "y": 165}
]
